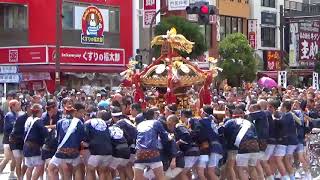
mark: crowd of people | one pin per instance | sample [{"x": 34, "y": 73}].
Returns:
[{"x": 243, "y": 134}]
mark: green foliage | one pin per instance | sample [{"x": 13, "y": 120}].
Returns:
[
  {"x": 317, "y": 63},
  {"x": 238, "y": 61},
  {"x": 190, "y": 30}
]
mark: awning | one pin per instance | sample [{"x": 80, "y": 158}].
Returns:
[
  {"x": 274, "y": 74},
  {"x": 71, "y": 68}
]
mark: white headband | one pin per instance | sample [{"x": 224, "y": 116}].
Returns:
[{"x": 116, "y": 114}]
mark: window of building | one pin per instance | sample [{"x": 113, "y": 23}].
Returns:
[
  {"x": 268, "y": 3},
  {"x": 287, "y": 4},
  {"x": 68, "y": 17},
  {"x": 222, "y": 27},
  {"x": 268, "y": 37},
  {"x": 72, "y": 14},
  {"x": 114, "y": 17},
  {"x": 299, "y": 6},
  {"x": 230, "y": 25},
  {"x": 240, "y": 25},
  {"x": 293, "y": 5},
  {"x": 234, "y": 25},
  {"x": 13, "y": 16}
]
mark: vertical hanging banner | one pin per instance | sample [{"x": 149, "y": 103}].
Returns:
[
  {"x": 309, "y": 42},
  {"x": 150, "y": 8},
  {"x": 282, "y": 79},
  {"x": 252, "y": 33},
  {"x": 315, "y": 81}
]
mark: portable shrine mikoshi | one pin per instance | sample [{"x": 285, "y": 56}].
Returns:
[{"x": 171, "y": 74}]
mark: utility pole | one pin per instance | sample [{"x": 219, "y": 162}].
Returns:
[
  {"x": 151, "y": 32},
  {"x": 281, "y": 36},
  {"x": 58, "y": 43}
]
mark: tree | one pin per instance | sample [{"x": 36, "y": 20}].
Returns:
[
  {"x": 237, "y": 59},
  {"x": 190, "y": 30}
]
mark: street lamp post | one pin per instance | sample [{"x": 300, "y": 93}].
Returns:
[
  {"x": 281, "y": 37},
  {"x": 58, "y": 44}
]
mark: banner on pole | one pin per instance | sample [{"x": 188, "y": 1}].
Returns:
[
  {"x": 315, "y": 81},
  {"x": 282, "y": 79}
]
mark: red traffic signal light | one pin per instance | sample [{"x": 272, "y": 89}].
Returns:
[{"x": 204, "y": 9}]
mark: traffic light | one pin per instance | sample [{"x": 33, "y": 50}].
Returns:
[
  {"x": 193, "y": 9},
  {"x": 139, "y": 64},
  {"x": 203, "y": 10}
]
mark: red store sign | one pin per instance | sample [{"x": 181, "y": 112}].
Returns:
[
  {"x": 23, "y": 55},
  {"x": 69, "y": 56},
  {"x": 272, "y": 60}
]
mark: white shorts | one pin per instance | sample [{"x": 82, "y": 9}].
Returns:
[
  {"x": 300, "y": 148},
  {"x": 173, "y": 173},
  {"x": 98, "y": 160},
  {"x": 116, "y": 162},
  {"x": 203, "y": 161},
  {"x": 33, "y": 161},
  {"x": 214, "y": 159},
  {"x": 190, "y": 161},
  {"x": 143, "y": 166},
  {"x": 268, "y": 152},
  {"x": 84, "y": 156},
  {"x": 232, "y": 154},
  {"x": 248, "y": 159},
  {"x": 17, "y": 153},
  {"x": 6, "y": 147},
  {"x": 132, "y": 158},
  {"x": 291, "y": 149},
  {"x": 58, "y": 161},
  {"x": 280, "y": 150}
]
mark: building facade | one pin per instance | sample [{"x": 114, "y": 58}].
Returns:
[
  {"x": 96, "y": 41},
  {"x": 266, "y": 15},
  {"x": 302, "y": 32},
  {"x": 233, "y": 15}
]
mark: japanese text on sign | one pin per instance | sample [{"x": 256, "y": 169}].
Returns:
[
  {"x": 309, "y": 45},
  {"x": 177, "y": 4},
  {"x": 92, "y": 40},
  {"x": 94, "y": 56},
  {"x": 149, "y": 4},
  {"x": 147, "y": 18}
]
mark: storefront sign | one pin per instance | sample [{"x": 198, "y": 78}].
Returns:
[
  {"x": 23, "y": 55},
  {"x": 78, "y": 14},
  {"x": 309, "y": 43},
  {"x": 272, "y": 60},
  {"x": 89, "y": 56},
  {"x": 268, "y": 18},
  {"x": 69, "y": 55},
  {"x": 8, "y": 69},
  {"x": 252, "y": 33},
  {"x": 149, "y": 11},
  {"x": 9, "y": 78},
  {"x": 174, "y": 5},
  {"x": 92, "y": 26}
]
